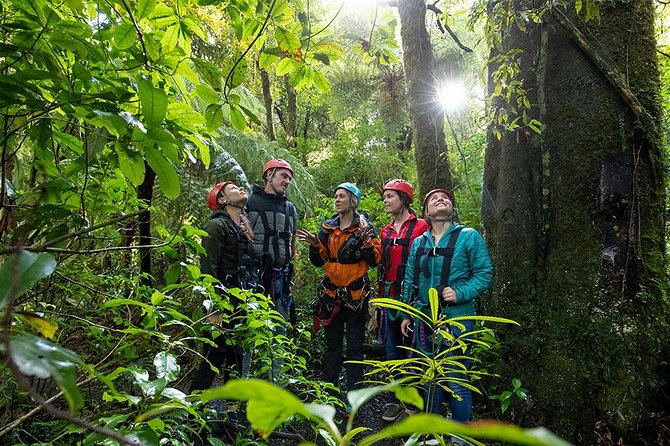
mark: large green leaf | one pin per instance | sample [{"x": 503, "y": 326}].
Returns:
[
  {"x": 170, "y": 39},
  {"x": 31, "y": 267},
  {"x": 125, "y": 36},
  {"x": 192, "y": 23},
  {"x": 267, "y": 59},
  {"x": 491, "y": 430},
  {"x": 144, "y": 8},
  {"x": 268, "y": 405},
  {"x": 132, "y": 165},
  {"x": 320, "y": 82},
  {"x": 214, "y": 115},
  {"x": 329, "y": 48},
  {"x": 167, "y": 174},
  {"x": 287, "y": 41},
  {"x": 207, "y": 94},
  {"x": 154, "y": 103},
  {"x": 238, "y": 74},
  {"x": 359, "y": 397},
  {"x": 237, "y": 118},
  {"x": 38, "y": 357},
  {"x": 203, "y": 148},
  {"x": 285, "y": 66},
  {"x": 166, "y": 366}
]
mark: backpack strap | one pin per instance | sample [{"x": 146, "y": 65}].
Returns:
[
  {"x": 323, "y": 235},
  {"x": 446, "y": 265},
  {"x": 447, "y": 253},
  {"x": 405, "y": 254},
  {"x": 421, "y": 250},
  {"x": 288, "y": 216},
  {"x": 386, "y": 244},
  {"x": 405, "y": 242}
]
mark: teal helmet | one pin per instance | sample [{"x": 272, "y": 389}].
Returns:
[{"x": 351, "y": 188}]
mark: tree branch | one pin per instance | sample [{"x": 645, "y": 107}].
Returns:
[
  {"x": 239, "y": 59},
  {"x": 443, "y": 27},
  {"x": 96, "y": 251},
  {"x": 43, "y": 246},
  {"x": 663, "y": 53}
]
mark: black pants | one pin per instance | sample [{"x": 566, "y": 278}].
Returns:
[
  {"x": 355, "y": 323},
  {"x": 223, "y": 356}
]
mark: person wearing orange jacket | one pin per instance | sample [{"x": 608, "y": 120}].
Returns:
[{"x": 347, "y": 247}]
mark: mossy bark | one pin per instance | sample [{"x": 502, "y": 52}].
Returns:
[
  {"x": 575, "y": 225},
  {"x": 426, "y": 113}
]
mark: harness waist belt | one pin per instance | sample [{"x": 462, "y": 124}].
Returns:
[
  {"x": 353, "y": 286},
  {"x": 343, "y": 261}
]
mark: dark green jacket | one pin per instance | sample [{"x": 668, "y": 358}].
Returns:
[{"x": 229, "y": 252}]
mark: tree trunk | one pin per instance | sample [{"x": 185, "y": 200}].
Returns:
[
  {"x": 145, "y": 193},
  {"x": 291, "y": 114},
  {"x": 426, "y": 114},
  {"x": 267, "y": 100},
  {"x": 575, "y": 225}
]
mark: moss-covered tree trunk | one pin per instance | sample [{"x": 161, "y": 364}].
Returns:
[
  {"x": 426, "y": 115},
  {"x": 574, "y": 220}
]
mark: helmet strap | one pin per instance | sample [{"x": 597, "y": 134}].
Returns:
[{"x": 228, "y": 203}]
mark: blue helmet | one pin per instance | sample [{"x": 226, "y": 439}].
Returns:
[{"x": 351, "y": 188}]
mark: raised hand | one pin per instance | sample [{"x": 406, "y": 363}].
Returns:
[
  {"x": 366, "y": 233},
  {"x": 302, "y": 235}
]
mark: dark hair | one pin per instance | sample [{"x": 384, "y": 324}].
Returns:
[{"x": 405, "y": 198}]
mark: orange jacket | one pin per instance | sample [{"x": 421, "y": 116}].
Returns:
[{"x": 348, "y": 267}]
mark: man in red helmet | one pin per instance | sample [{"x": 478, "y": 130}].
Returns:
[
  {"x": 397, "y": 238},
  {"x": 274, "y": 223}
]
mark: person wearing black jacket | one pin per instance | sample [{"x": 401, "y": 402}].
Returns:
[
  {"x": 230, "y": 259},
  {"x": 274, "y": 222}
]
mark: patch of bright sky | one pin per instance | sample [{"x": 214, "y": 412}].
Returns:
[{"x": 663, "y": 24}]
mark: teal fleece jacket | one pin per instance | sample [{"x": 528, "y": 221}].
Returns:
[{"x": 470, "y": 273}]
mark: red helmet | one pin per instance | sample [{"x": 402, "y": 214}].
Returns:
[
  {"x": 277, "y": 163},
  {"x": 212, "y": 199},
  {"x": 400, "y": 186},
  {"x": 446, "y": 191}
]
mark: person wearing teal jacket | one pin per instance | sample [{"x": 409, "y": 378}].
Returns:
[{"x": 469, "y": 276}]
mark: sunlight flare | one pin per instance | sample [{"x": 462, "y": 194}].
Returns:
[{"x": 452, "y": 95}]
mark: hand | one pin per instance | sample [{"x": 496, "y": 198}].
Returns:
[
  {"x": 404, "y": 328},
  {"x": 366, "y": 234},
  {"x": 449, "y": 295},
  {"x": 303, "y": 235}
]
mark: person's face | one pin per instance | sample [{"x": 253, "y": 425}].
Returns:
[
  {"x": 439, "y": 203},
  {"x": 234, "y": 194},
  {"x": 392, "y": 202},
  {"x": 280, "y": 180},
  {"x": 342, "y": 201}
]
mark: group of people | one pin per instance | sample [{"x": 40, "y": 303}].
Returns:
[{"x": 251, "y": 244}]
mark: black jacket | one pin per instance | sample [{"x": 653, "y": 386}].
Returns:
[{"x": 230, "y": 257}]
